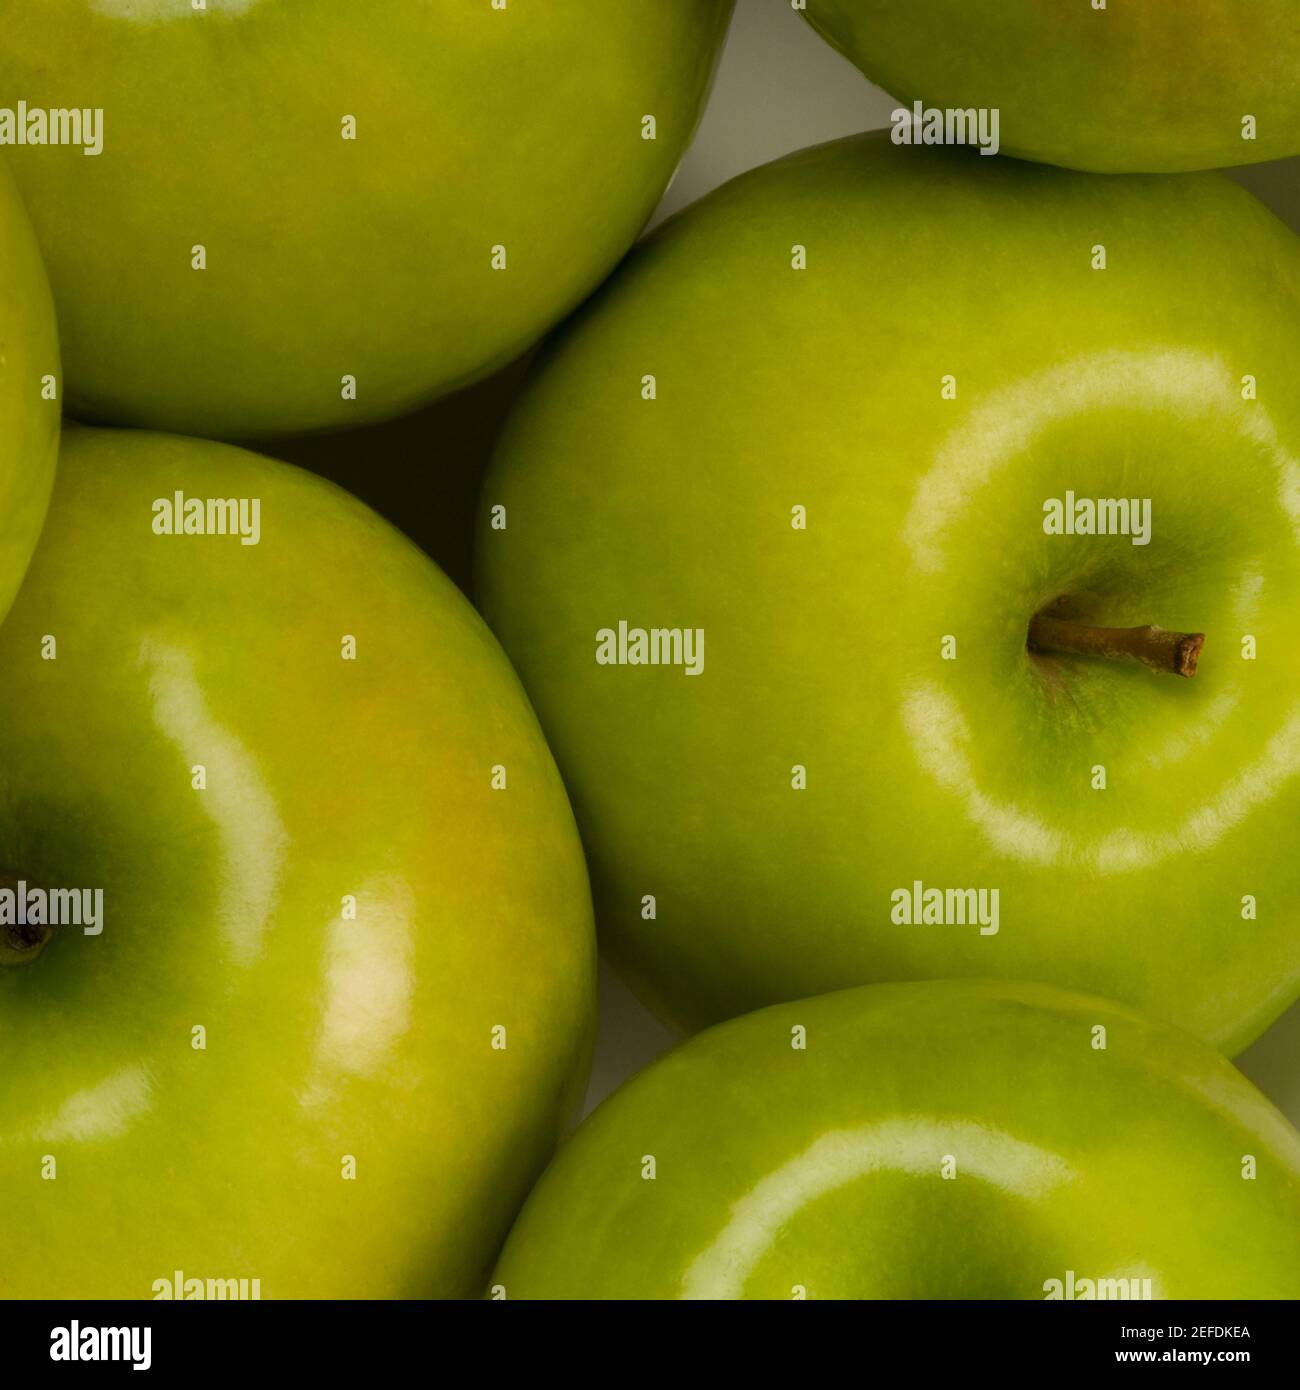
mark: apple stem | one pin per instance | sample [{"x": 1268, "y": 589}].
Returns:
[{"x": 1174, "y": 652}]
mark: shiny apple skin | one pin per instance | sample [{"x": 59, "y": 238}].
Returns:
[
  {"x": 327, "y": 257},
  {"x": 224, "y": 908},
  {"x": 29, "y": 423},
  {"x": 822, "y": 388},
  {"x": 818, "y": 1173},
  {"x": 1141, "y": 86}
]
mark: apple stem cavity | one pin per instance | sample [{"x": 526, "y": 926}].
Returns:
[
  {"x": 1174, "y": 652},
  {"x": 21, "y": 942}
]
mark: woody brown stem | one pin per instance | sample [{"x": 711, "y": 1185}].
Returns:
[{"x": 1174, "y": 652}]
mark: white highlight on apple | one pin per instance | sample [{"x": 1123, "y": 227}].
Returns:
[
  {"x": 103, "y": 1111},
  {"x": 1257, "y": 783},
  {"x": 369, "y": 988},
  {"x": 910, "y": 1145},
  {"x": 237, "y": 800},
  {"x": 151, "y": 11},
  {"x": 1004, "y": 425},
  {"x": 940, "y": 735}
]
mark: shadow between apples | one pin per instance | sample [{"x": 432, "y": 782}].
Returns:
[{"x": 421, "y": 472}]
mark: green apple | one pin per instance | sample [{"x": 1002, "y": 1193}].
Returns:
[
  {"x": 30, "y": 387},
  {"x": 808, "y": 441},
  {"x": 944, "y": 1140},
  {"x": 338, "y": 1000},
  {"x": 1139, "y": 85},
  {"x": 314, "y": 215}
]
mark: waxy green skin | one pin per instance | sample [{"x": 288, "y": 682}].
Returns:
[
  {"x": 1141, "y": 86},
  {"x": 29, "y": 423},
  {"x": 824, "y": 647},
  {"x": 223, "y": 908},
  {"x": 818, "y": 1172},
  {"x": 475, "y": 128}
]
